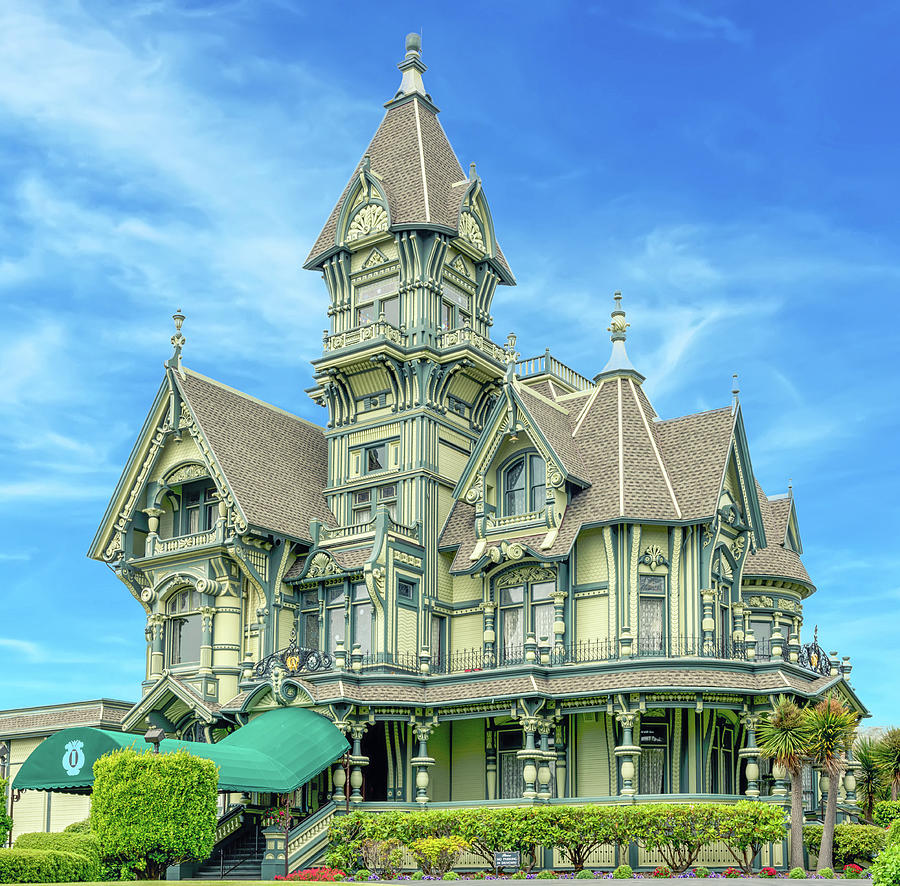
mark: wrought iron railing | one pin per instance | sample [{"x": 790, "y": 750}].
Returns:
[{"x": 295, "y": 659}]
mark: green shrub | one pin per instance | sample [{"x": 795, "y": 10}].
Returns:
[
  {"x": 45, "y": 866},
  {"x": 362, "y": 874},
  {"x": 746, "y": 826},
  {"x": 893, "y": 836},
  {"x": 797, "y": 874},
  {"x": 436, "y": 855},
  {"x": 418, "y": 875},
  {"x": 853, "y": 843},
  {"x": 826, "y": 873},
  {"x": 150, "y": 810},
  {"x": 546, "y": 875},
  {"x": 886, "y": 868},
  {"x": 518, "y": 875},
  {"x": 886, "y": 811},
  {"x": 701, "y": 872},
  {"x": 623, "y": 872},
  {"x": 81, "y": 844},
  {"x": 78, "y": 827},
  {"x": 383, "y": 857},
  {"x": 450, "y": 875},
  {"x": 584, "y": 875}
]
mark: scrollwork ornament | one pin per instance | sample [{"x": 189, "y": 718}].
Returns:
[
  {"x": 369, "y": 219},
  {"x": 654, "y": 557},
  {"x": 470, "y": 230}
]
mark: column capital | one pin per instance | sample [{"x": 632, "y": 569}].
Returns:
[{"x": 628, "y": 718}]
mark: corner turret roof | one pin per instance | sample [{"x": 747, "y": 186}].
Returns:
[{"x": 414, "y": 163}]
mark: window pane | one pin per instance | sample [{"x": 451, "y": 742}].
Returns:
[
  {"x": 391, "y": 309},
  {"x": 446, "y": 315},
  {"x": 335, "y": 594},
  {"x": 310, "y": 599},
  {"x": 360, "y": 592},
  {"x": 311, "y": 631},
  {"x": 388, "y": 491},
  {"x": 538, "y": 497},
  {"x": 437, "y": 637},
  {"x": 650, "y": 629},
  {"x": 193, "y": 516},
  {"x": 362, "y": 515},
  {"x": 543, "y": 621},
  {"x": 184, "y": 637},
  {"x": 369, "y": 291},
  {"x": 405, "y": 590},
  {"x": 514, "y": 478},
  {"x": 652, "y": 584},
  {"x": 512, "y": 596},
  {"x": 542, "y": 590},
  {"x": 360, "y": 498},
  {"x": 375, "y": 460},
  {"x": 366, "y": 315},
  {"x": 336, "y": 627},
  {"x": 456, "y": 296},
  {"x": 513, "y": 632},
  {"x": 362, "y": 626}
]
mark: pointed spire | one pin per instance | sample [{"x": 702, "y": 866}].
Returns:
[
  {"x": 412, "y": 68},
  {"x": 735, "y": 392},
  {"x": 618, "y": 361},
  {"x": 178, "y": 341}
]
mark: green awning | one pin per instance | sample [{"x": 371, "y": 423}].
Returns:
[{"x": 275, "y": 752}]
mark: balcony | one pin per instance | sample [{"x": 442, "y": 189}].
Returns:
[
  {"x": 380, "y": 330},
  {"x": 465, "y": 336},
  {"x": 157, "y": 546},
  {"x": 588, "y": 652}
]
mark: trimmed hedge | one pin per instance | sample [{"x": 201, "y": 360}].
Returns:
[
  {"x": 677, "y": 831},
  {"x": 886, "y": 868},
  {"x": 78, "y": 827},
  {"x": 853, "y": 843},
  {"x": 45, "y": 866},
  {"x": 885, "y": 812},
  {"x": 81, "y": 844}
]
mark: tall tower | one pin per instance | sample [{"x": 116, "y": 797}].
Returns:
[{"x": 409, "y": 371}]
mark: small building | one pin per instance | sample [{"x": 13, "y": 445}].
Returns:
[{"x": 502, "y": 580}]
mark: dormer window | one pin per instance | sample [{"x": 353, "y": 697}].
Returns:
[{"x": 524, "y": 485}]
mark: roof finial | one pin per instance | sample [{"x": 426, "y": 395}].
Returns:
[
  {"x": 618, "y": 361},
  {"x": 735, "y": 391},
  {"x": 618, "y": 325},
  {"x": 177, "y": 340},
  {"x": 790, "y": 487},
  {"x": 412, "y": 69}
]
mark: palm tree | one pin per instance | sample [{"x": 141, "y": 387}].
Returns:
[
  {"x": 871, "y": 783},
  {"x": 785, "y": 735},
  {"x": 832, "y": 727},
  {"x": 887, "y": 755}
]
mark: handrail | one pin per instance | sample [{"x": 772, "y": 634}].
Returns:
[{"x": 546, "y": 364}]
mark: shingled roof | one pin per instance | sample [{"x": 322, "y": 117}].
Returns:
[
  {"x": 638, "y": 468},
  {"x": 776, "y": 559},
  {"x": 275, "y": 463},
  {"x": 414, "y": 163}
]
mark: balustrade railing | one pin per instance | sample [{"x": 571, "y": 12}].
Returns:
[
  {"x": 380, "y": 329},
  {"x": 546, "y": 364},
  {"x": 467, "y": 336},
  {"x": 294, "y": 659}
]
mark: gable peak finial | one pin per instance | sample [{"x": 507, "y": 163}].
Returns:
[
  {"x": 790, "y": 487},
  {"x": 178, "y": 341},
  {"x": 735, "y": 390}
]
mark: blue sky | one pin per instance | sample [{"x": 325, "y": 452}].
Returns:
[{"x": 731, "y": 167}]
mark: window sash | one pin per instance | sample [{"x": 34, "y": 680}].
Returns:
[{"x": 362, "y": 626}]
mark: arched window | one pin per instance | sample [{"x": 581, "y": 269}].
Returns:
[{"x": 524, "y": 485}]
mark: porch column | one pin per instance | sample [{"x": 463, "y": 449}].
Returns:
[
  {"x": 547, "y": 757},
  {"x": 628, "y": 753},
  {"x": 490, "y": 635},
  {"x": 560, "y": 761},
  {"x": 156, "y": 625},
  {"x": 490, "y": 757},
  {"x": 357, "y": 761},
  {"x": 529, "y": 755},
  {"x": 850, "y": 776},
  {"x": 750, "y": 753},
  {"x": 422, "y": 761}
]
